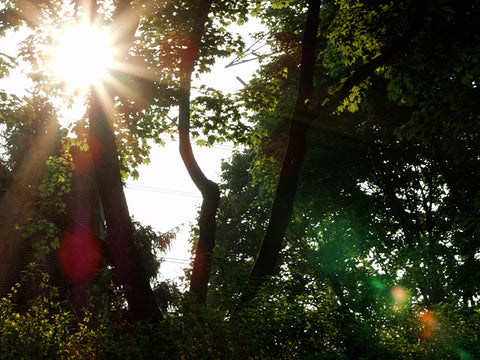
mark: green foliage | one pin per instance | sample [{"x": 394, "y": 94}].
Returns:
[
  {"x": 217, "y": 118},
  {"x": 386, "y": 179},
  {"x": 43, "y": 330},
  {"x": 6, "y": 64},
  {"x": 381, "y": 258},
  {"x": 281, "y": 326},
  {"x": 353, "y": 243},
  {"x": 151, "y": 245},
  {"x": 42, "y": 229},
  {"x": 30, "y": 130}
]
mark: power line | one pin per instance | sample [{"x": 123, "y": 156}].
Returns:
[
  {"x": 175, "y": 261},
  {"x": 163, "y": 190}
]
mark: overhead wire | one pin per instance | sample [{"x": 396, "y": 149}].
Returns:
[
  {"x": 163, "y": 190},
  {"x": 175, "y": 261}
]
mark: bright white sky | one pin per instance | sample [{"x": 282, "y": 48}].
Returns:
[{"x": 164, "y": 196}]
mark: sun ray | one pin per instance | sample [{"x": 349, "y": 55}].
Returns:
[
  {"x": 91, "y": 51},
  {"x": 82, "y": 56}
]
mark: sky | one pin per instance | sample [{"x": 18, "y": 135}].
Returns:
[{"x": 164, "y": 197}]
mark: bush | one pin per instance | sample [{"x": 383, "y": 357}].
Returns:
[{"x": 276, "y": 327}]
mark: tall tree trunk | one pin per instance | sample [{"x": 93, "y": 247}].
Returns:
[
  {"x": 120, "y": 232},
  {"x": 209, "y": 189},
  {"x": 301, "y": 120},
  {"x": 122, "y": 251},
  {"x": 282, "y": 206}
]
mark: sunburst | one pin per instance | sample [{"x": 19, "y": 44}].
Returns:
[{"x": 82, "y": 56}]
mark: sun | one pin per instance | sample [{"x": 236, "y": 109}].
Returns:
[{"x": 82, "y": 56}]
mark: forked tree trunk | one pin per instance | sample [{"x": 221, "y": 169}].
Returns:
[
  {"x": 209, "y": 189},
  {"x": 282, "y": 206}
]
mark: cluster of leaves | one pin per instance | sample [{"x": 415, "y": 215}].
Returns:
[
  {"x": 30, "y": 132},
  {"x": 151, "y": 245},
  {"x": 216, "y": 119},
  {"x": 38, "y": 168},
  {"x": 42, "y": 229},
  {"x": 336, "y": 295},
  {"x": 43, "y": 330}
]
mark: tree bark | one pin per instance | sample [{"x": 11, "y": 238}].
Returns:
[
  {"x": 122, "y": 251},
  {"x": 210, "y": 194},
  {"x": 282, "y": 207},
  {"x": 209, "y": 189}
]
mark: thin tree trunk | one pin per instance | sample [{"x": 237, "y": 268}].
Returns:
[
  {"x": 282, "y": 206},
  {"x": 122, "y": 251},
  {"x": 211, "y": 195},
  {"x": 209, "y": 189}
]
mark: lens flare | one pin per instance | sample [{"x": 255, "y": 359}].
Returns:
[
  {"x": 400, "y": 295},
  {"x": 463, "y": 355},
  {"x": 377, "y": 285},
  {"x": 429, "y": 322},
  {"x": 80, "y": 255}
]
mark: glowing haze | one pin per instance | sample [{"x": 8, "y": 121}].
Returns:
[{"x": 82, "y": 56}]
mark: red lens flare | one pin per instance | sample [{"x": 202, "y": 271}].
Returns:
[
  {"x": 80, "y": 255},
  {"x": 429, "y": 321}
]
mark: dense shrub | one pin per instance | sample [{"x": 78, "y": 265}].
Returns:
[{"x": 276, "y": 327}]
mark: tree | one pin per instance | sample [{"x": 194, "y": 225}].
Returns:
[
  {"x": 209, "y": 190},
  {"x": 191, "y": 39},
  {"x": 135, "y": 118},
  {"x": 353, "y": 74},
  {"x": 283, "y": 202},
  {"x": 32, "y": 151},
  {"x": 122, "y": 250},
  {"x": 123, "y": 253},
  {"x": 385, "y": 182}
]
